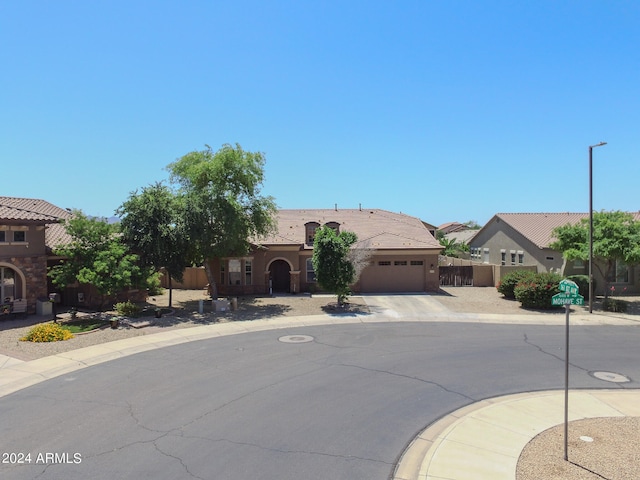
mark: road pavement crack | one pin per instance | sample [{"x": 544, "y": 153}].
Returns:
[
  {"x": 410, "y": 377},
  {"x": 288, "y": 451},
  {"x": 551, "y": 354}
]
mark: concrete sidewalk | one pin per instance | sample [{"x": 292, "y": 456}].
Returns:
[{"x": 483, "y": 441}]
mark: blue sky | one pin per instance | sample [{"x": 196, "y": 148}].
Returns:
[{"x": 444, "y": 110}]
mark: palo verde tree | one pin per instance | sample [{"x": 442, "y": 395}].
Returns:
[
  {"x": 151, "y": 225},
  {"x": 334, "y": 270},
  {"x": 616, "y": 238},
  {"x": 96, "y": 256},
  {"x": 223, "y": 208}
]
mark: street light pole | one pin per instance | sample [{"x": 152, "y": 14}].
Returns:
[{"x": 591, "y": 147}]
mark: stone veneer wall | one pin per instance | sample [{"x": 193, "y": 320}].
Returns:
[{"x": 35, "y": 273}]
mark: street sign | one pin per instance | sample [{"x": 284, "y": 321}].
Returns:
[
  {"x": 567, "y": 299},
  {"x": 568, "y": 286}
]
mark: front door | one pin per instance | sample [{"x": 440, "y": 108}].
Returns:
[{"x": 280, "y": 276}]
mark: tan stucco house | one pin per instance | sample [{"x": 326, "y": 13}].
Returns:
[
  {"x": 523, "y": 239},
  {"x": 29, "y": 228},
  {"x": 403, "y": 254}
]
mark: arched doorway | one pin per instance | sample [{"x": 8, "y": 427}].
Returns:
[
  {"x": 280, "y": 276},
  {"x": 11, "y": 284}
]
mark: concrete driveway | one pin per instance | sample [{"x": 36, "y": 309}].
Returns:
[{"x": 403, "y": 305}]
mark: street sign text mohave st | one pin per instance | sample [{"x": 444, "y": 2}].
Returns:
[{"x": 568, "y": 294}]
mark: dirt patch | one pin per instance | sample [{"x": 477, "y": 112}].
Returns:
[{"x": 597, "y": 448}]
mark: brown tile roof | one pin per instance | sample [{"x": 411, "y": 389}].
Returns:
[
  {"x": 30, "y": 209},
  {"x": 378, "y": 229},
  {"x": 33, "y": 210},
  {"x": 537, "y": 227}
]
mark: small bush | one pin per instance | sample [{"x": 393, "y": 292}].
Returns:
[
  {"x": 583, "y": 284},
  {"x": 615, "y": 305},
  {"x": 47, "y": 332},
  {"x": 127, "y": 309},
  {"x": 537, "y": 291},
  {"x": 154, "y": 286},
  {"x": 510, "y": 280}
]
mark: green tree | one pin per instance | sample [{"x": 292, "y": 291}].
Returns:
[
  {"x": 452, "y": 248},
  {"x": 334, "y": 270},
  {"x": 223, "y": 208},
  {"x": 616, "y": 237},
  {"x": 151, "y": 225},
  {"x": 96, "y": 256}
]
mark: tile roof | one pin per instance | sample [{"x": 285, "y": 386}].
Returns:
[
  {"x": 462, "y": 236},
  {"x": 30, "y": 209},
  {"x": 379, "y": 229},
  {"x": 33, "y": 210},
  {"x": 537, "y": 227}
]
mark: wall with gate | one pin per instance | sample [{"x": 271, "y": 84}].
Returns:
[{"x": 462, "y": 272}]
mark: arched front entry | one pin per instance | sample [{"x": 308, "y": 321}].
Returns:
[
  {"x": 12, "y": 282},
  {"x": 280, "y": 276}
]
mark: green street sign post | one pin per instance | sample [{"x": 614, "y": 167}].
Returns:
[{"x": 568, "y": 296}]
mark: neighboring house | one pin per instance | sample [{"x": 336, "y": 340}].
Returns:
[
  {"x": 28, "y": 230},
  {"x": 462, "y": 236},
  {"x": 523, "y": 239},
  {"x": 403, "y": 254},
  {"x": 451, "y": 227}
]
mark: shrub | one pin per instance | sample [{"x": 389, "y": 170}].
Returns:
[
  {"x": 127, "y": 309},
  {"x": 614, "y": 305},
  {"x": 154, "y": 286},
  {"x": 510, "y": 280},
  {"x": 47, "y": 332},
  {"x": 537, "y": 291},
  {"x": 583, "y": 284}
]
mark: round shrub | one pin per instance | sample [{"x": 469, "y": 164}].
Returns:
[
  {"x": 510, "y": 280},
  {"x": 127, "y": 309},
  {"x": 615, "y": 305},
  {"x": 47, "y": 332},
  {"x": 583, "y": 284},
  {"x": 537, "y": 291}
]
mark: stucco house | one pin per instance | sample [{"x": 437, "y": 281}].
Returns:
[
  {"x": 403, "y": 254},
  {"x": 523, "y": 239},
  {"x": 29, "y": 228}
]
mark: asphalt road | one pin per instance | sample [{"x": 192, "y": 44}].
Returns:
[{"x": 342, "y": 406}]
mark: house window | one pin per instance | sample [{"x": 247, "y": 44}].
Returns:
[
  {"x": 311, "y": 274},
  {"x": 310, "y": 231},
  {"x": 247, "y": 272},
  {"x": 3, "y": 236},
  {"x": 384, "y": 263},
  {"x": 235, "y": 275},
  {"x": 20, "y": 236},
  {"x": 503, "y": 258},
  {"x": 513, "y": 258},
  {"x": 520, "y": 258},
  {"x": 620, "y": 273},
  {"x": 486, "y": 255},
  {"x": 400, "y": 263},
  {"x": 335, "y": 226},
  {"x": 417, "y": 262}
]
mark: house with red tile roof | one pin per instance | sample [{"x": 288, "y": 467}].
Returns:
[
  {"x": 523, "y": 239},
  {"x": 29, "y": 229},
  {"x": 402, "y": 254}
]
